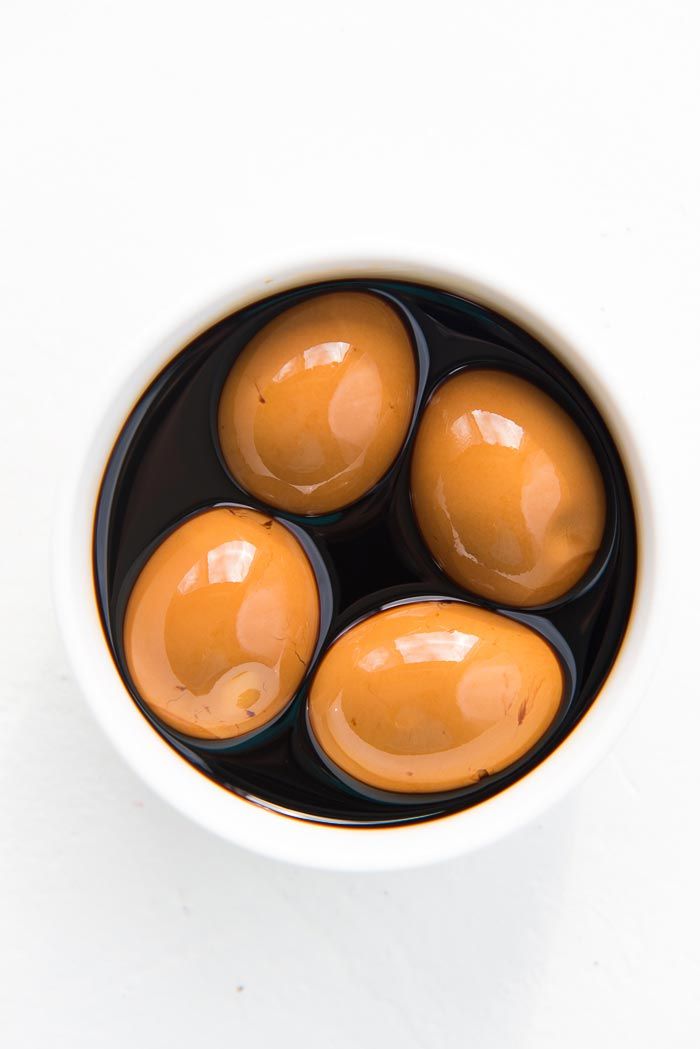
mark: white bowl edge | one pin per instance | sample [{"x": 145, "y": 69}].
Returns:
[{"x": 253, "y": 826}]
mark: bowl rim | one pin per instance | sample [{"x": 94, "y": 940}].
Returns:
[{"x": 266, "y": 830}]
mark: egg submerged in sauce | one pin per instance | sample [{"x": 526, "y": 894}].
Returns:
[
  {"x": 317, "y": 406},
  {"x": 222, "y": 623},
  {"x": 432, "y": 696},
  {"x": 506, "y": 490}
]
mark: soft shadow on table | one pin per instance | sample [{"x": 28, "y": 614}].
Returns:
[{"x": 127, "y": 903}]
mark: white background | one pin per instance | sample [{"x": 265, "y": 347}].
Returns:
[{"x": 147, "y": 149}]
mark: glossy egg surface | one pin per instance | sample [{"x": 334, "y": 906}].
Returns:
[
  {"x": 222, "y": 623},
  {"x": 317, "y": 406},
  {"x": 506, "y": 490},
  {"x": 433, "y": 695}
]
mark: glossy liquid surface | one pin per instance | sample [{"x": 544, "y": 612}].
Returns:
[{"x": 167, "y": 464}]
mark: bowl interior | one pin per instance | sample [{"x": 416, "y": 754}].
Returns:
[{"x": 273, "y": 831}]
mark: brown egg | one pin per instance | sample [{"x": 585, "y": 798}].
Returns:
[
  {"x": 432, "y": 696},
  {"x": 318, "y": 404},
  {"x": 506, "y": 490},
  {"x": 222, "y": 623}
]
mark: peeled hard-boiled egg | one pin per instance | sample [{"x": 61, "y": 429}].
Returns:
[
  {"x": 318, "y": 404},
  {"x": 222, "y": 623},
  {"x": 433, "y": 695},
  {"x": 506, "y": 490}
]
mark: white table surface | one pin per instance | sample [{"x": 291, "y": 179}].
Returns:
[{"x": 147, "y": 149}]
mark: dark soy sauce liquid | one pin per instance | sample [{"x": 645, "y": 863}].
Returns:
[{"x": 166, "y": 465}]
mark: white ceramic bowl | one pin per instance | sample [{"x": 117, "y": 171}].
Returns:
[{"x": 253, "y": 826}]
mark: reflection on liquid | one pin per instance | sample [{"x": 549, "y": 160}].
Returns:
[
  {"x": 432, "y": 696},
  {"x": 222, "y": 623},
  {"x": 506, "y": 491},
  {"x": 310, "y": 423}
]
